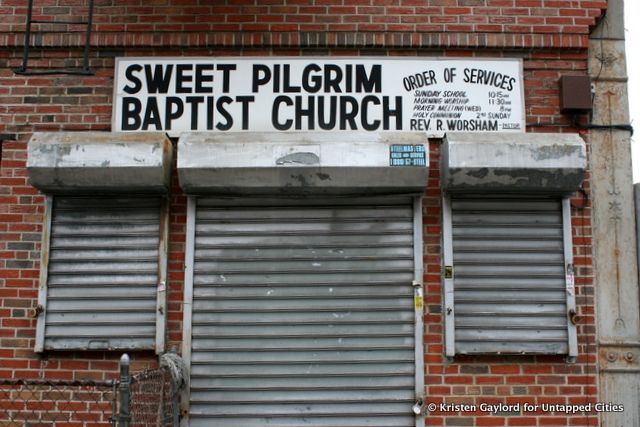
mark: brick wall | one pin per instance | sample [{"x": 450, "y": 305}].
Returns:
[
  {"x": 551, "y": 37},
  {"x": 513, "y": 16},
  {"x": 120, "y": 22}
]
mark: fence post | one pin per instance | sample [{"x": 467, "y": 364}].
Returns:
[
  {"x": 125, "y": 392},
  {"x": 175, "y": 404}
]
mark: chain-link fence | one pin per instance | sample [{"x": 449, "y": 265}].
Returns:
[
  {"x": 56, "y": 403},
  {"x": 154, "y": 394},
  {"x": 145, "y": 399}
]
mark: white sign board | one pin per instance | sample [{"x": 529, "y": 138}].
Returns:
[{"x": 429, "y": 95}]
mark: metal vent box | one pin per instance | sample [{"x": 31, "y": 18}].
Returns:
[{"x": 575, "y": 94}]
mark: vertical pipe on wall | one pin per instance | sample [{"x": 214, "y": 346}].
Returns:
[
  {"x": 418, "y": 260},
  {"x": 187, "y": 307},
  {"x": 636, "y": 188}
]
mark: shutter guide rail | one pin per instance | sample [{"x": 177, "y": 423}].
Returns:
[{"x": 44, "y": 270}]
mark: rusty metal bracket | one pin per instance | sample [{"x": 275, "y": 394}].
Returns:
[
  {"x": 37, "y": 311},
  {"x": 573, "y": 317},
  {"x": 619, "y": 357}
]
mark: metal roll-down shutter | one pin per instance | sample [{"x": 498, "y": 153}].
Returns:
[
  {"x": 303, "y": 312},
  {"x": 103, "y": 271},
  {"x": 510, "y": 294}
]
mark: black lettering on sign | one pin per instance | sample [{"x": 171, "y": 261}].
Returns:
[
  {"x": 323, "y": 122},
  {"x": 261, "y": 76},
  {"x": 287, "y": 86},
  {"x": 209, "y": 112},
  {"x": 226, "y": 70},
  {"x": 194, "y": 102},
  {"x": 342, "y": 112},
  {"x": 131, "y": 109},
  {"x": 173, "y": 109},
  {"x": 152, "y": 115},
  {"x": 489, "y": 78},
  {"x": 220, "y": 106},
  {"x": 276, "y": 78},
  {"x": 202, "y": 78},
  {"x": 309, "y": 112},
  {"x": 348, "y": 70},
  {"x": 371, "y": 83},
  {"x": 473, "y": 125},
  {"x": 348, "y": 112},
  {"x": 159, "y": 78},
  {"x": 315, "y": 78},
  {"x": 182, "y": 78},
  {"x": 187, "y": 78},
  {"x": 332, "y": 78},
  {"x": 129, "y": 74},
  {"x": 275, "y": 113},
  {"x": 420, "y": 124},
  {"x": 366, "y": 124},
  {"x": 244, "y": 101},
  {"x": 418, "y": 80},
  {"x": 388, "y": 112},
  {"x": 312, "y": 83}
]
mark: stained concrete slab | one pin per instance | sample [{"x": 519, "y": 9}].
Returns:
[
  {"x": 86, "y": 162},
  {"x": 548, "y": 163},
  {"x": 299, "y": 163}
]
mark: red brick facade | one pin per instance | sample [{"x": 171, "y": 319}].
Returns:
[{"x": 550, "y": 36}]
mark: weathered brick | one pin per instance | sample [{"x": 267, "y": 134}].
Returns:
[{"x": 37, "y": 100}]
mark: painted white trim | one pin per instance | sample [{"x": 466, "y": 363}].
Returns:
[
  {"x": 418, "y": 289},
  {"x": 45, "y": 248},
  {"x": 187, "y": 305},
  {"x": 161, "y": 297},
  {"x": 448, "y": 309},
  {"x": 241, "y": 78},
  {"x": 569, "y": 277}
]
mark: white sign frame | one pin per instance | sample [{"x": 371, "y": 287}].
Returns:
[{"x": 432, "y": 95}]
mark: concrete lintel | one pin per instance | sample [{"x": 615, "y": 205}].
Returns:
[
  {"x": 86, "y": 162},
  {"x": 544, "y": 163},
  {"x": 298, "y": 163}
]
